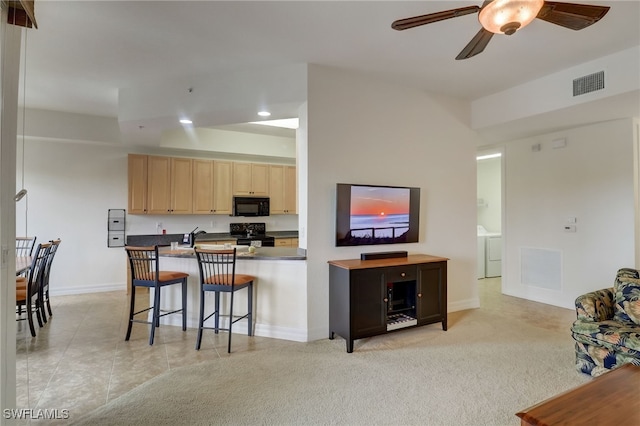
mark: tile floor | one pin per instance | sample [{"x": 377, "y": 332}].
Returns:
[{"x": 80, "y": 360}]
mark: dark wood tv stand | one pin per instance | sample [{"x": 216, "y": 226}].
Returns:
[{"x": 372, "y": 297}]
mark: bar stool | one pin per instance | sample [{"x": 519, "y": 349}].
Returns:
[
  {"x": 218, "y": 274},
  {"x": 145, "y": 272}
]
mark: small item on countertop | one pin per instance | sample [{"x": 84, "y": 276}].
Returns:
[{"x": 252, "y": 249}]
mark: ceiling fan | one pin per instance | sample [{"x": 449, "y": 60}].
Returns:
[{"x": 508, "y": 16}]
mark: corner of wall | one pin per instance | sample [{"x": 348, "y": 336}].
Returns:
[{"x": 636, "y": 187}]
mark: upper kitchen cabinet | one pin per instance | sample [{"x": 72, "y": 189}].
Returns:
[
  {"x": 202, "y": 186},
  {"x": 222, "y": 189},
  {"x": 282, "y": 189},
  {"x": 169, "y": 185},
  {"x": 212, "y": 187},
  {"x": 137, "y": 176},
  {"x": 250, "y": 179}
]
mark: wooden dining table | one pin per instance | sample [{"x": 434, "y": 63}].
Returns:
[{"x": 23, "y": 263}]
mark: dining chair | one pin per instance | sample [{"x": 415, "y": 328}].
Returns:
[
  {"x": 218, "y": 275},
  {"x": 28, "y": 288},
  {"x": 145, "y": 272},
  {"x": 24, "y": 246},
  {"x": 24, "y": 250},
  {"x": 44, "y": 287}
]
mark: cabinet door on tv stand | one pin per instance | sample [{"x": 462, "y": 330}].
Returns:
[
  {"x": 368, "y": 305},
  {"x": 432, "y": 293}
]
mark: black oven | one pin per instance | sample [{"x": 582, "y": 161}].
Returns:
[
  {"x": 264, "y": 241},
  {"x": 250, "y": 206},
  {"x": 246, "y": 233}
]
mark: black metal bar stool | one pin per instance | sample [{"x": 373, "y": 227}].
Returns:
[
  {"x": 218, "y": 274},
  {"x": 145, "y": 272}
]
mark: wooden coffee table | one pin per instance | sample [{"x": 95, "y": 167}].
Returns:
[{"x": 610, "y": 399}]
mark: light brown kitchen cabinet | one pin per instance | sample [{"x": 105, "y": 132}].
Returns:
[
  {"x": 137, "y": 179},
  {"x": 202, "y": 186},
  {"x": 286, "y": 242},
  {"x": 181, "y": 185},
  {"x": 215, "y": 242},
  {"x": 169, "y": 185},
  {"x": 290, "y": 191},
  {"x": 282, "y": 189},
  {"x": 250, "y": 179},
  {"x": 222, "y": 189},
  {"x": 212, "y": 187}
]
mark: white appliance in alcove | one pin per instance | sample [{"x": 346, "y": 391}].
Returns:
[{"x": 489, "y": 253}]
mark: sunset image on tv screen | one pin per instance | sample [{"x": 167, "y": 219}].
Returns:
[{"x": 380, "y": 211}]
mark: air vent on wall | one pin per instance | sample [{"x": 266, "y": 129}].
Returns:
[{"x": 588, "y": 83}]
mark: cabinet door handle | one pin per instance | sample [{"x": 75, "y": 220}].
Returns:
[
  {"x": 403, "y": 274},
  {"x": 419, "y": 294},
  {"x": 385, "y": 300}
]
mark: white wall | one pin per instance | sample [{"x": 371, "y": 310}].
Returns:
[
  {"x": 363, "y": 130},
  {"x": 230, "y": 142},
  {"x": 490, "y": 194},
  {"x": 590, "y": 179},
  {"x": 554, "y": 92},
  {"x": 636, "y": 180},
  {"x": 71, "y": 186}
]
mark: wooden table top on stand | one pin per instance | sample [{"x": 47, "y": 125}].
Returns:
[
  {"x": 22, "y": 264},
  {"x": 610, "y": 399}
]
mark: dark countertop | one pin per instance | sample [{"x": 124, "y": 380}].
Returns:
[
  {"x": 261, "y": 253},
  {"x": 215, "y": 236},
  {"x": 153, "y": 239},
  {"x": 167, "y": 239},
  {"x": 283, "y": 234}
]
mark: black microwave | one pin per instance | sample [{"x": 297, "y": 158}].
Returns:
[{"x": 250, "y": 206}]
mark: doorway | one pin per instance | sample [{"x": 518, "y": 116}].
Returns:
[{"x": 489, "y": 219}]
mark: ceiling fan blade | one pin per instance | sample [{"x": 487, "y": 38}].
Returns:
[
  {"x": 476, "y": 45},
  {"x": 571, "y": 15},
  {"x": 416, "y": 21}
]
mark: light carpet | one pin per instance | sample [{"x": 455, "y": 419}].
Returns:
[{"x": 481, "y": 371}]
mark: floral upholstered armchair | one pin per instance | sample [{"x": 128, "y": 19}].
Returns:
[{"x": 607, "y": 330}]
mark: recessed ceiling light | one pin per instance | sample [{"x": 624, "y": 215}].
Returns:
[
  {"x": 264, "y": 113},
  {"x": 289, "y": 123},
  {"x": 185, "y": 121}
]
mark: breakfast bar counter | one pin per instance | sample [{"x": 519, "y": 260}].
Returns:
[
  {"x": 261, "y": 253},
  {"x": 280, "y": 293}
]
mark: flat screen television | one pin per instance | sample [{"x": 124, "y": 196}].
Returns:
[{"x": 375, "y": 214}]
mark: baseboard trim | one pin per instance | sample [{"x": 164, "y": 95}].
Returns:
[
  {"x": 68, "y": 291},
  {"x": 262, "y": 330},
  {"x": 462, "y": 305}
]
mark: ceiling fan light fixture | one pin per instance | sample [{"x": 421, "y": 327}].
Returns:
[{"x": 507, "y": 16}]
